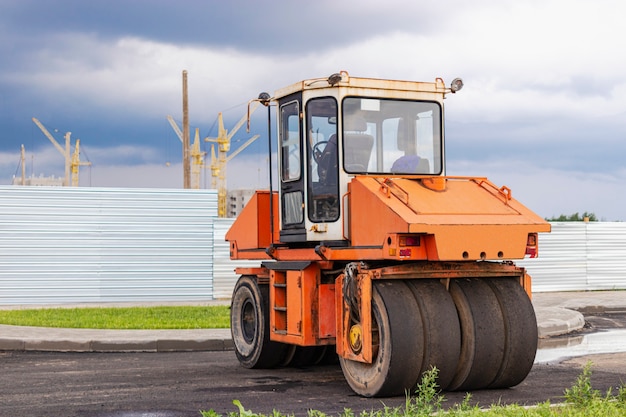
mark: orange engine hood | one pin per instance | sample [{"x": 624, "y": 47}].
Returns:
[{"x": 460, "y": 218}]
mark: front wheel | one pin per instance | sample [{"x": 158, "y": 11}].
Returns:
[
  {"x": 249, "y": 324},
  {"x": 398, "y": 339}
]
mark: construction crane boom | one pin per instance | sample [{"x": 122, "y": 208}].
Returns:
[
  {"x": 65, "y": 152},
  {"x": 72, "y": 162},
  {"x": 49, "y": 136},
  {"x": 177, "y": 130},
  {"x": 242, "y": 147},
  {"x": 240, "y": 123}
]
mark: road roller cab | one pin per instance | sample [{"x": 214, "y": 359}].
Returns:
[{"x": 370, "y": 252}]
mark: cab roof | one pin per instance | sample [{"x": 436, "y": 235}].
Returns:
[{"x": 343, "y": 79}]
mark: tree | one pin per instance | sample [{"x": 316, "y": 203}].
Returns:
[{"x": 574, "y": 217}]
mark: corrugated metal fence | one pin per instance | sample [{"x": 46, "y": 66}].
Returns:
[
  {"x": 224, "y": 278},
  {"x": 580, "y": 256},
  {"x": 66, "y": 245},
  {"x": 81, "y": 245}
]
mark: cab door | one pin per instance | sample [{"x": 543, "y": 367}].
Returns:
[
  {"x": 290, "y": 156},
  {"x": 322, "y": 162}
]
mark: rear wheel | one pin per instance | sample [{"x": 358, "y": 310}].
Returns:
[
  {"x": 483, "y": 334},
  {"x": 398, "y": 341},
  {"x": 520, "y": 326},
  {"x": 249, "y": 324},
  {"x": 442, "y": 332}
]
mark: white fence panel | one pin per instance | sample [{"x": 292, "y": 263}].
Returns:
[
  {"x": 224, "y": 277},
  {"x": 562, "y": 259},
  {"x": 606, "y": 259},
  {"x": 580, "y": 256},
  {"x": 64, "y": 245}
]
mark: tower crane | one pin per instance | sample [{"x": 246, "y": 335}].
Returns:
[
  {"x": 197, "y": 156},
  {"x": 72, "y": 161},
  {"x": 76, "y": 163},
  {"x": 218, "y": 163},
  {"x": 197, "y": 160}
]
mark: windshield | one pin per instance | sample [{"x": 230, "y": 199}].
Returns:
[{"x": 383, "y": 136}]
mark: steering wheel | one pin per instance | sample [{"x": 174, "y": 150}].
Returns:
[{"x": 317, "y": 152}]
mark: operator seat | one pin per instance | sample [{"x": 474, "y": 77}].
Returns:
[{"x": 357, "y": 145}]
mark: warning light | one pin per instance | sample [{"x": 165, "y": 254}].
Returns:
[
  {"x": 409, "y": 241},
  {"x": 532, "y": 250}
]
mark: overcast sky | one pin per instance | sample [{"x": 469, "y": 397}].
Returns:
[{"x": 543, "y": 110}]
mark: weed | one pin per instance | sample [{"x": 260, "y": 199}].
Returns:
[
  {"x": 347, "y": 412},
  {"x": 582, "y": 394},
  {"x": 210, "y": 413},
  {"x": 621, "y": 394},
  {"x": 427, "y": 398},
  {"x": 242, "y": 411},
  {"x": 464, "y": 407}
]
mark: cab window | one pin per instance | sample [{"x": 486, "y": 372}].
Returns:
[
  {"x": 290, "y": 142},
  {"x": 323, "y": 158},
  {"x": 384, "y": 136}
]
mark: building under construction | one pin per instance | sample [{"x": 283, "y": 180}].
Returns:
[
  {"x": 40, "y": 181},
  {"x": 236, "y": 201}
]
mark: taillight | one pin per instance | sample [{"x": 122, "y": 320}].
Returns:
[
  {"x": 532, "y": 249},
  {"x": 409, "y": 241}
]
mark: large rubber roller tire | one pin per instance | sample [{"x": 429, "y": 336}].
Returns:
[
  {"x": 250, "y": 328},
  {"x": 482, "y": 332},
  {"x": 520, "y": 325},
  {"x": 399, "y": 338},
  {"x": 442, "y": 331}
]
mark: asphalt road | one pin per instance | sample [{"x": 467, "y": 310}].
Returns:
[{"x": 179, "y": 384}]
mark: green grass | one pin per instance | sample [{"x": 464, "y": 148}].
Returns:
[
  {"x": 178, "y": 317},
  {"x": 581, "y": 400}
]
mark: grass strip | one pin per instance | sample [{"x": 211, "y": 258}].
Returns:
[{"x": 162, "y": 317}]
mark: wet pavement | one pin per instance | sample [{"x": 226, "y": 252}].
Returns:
[
  {"x": 603, "y": 333},
  {"x": 581, "y": 323},
  {"x": 603, "y": 342}
]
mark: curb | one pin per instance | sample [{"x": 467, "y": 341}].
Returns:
[
  {"x": 551, "y": 321},
  {"x": 110, "y": 346},
  {"x": 558, "y": 321},
  {"x": 19, "y": 338}
]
